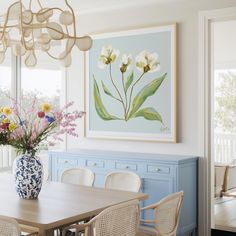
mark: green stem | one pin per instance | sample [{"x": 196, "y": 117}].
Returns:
[
  {"x": 131, "y": 92},
  {"x": 117, "y": 90},
  {"x": 125, "y": 92}
]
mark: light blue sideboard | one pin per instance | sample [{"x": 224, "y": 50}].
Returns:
[{"x": 161, "y": 175}]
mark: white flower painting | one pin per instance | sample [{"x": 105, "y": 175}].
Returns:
[{"x": 131, "y": 85}]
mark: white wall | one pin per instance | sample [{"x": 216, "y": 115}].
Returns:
[{"x": 185, "y": 13}]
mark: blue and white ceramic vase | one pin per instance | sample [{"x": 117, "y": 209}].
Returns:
[{"x": 28, "y": 175}]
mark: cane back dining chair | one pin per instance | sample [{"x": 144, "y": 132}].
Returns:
[
  {"x": 119, "y": 220},
  {"x": 166, "y": 216},
  {"x": 123, "y": 180},
  {"x": 10, "y": 227},
  {"x": 81, "y": 176}
]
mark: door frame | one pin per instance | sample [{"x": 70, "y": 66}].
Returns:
[{"x": 206, "y": 172}]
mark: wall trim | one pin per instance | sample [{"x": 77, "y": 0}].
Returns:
[{"x": 205, "y": 163}]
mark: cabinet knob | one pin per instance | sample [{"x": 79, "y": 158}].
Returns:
[
  {"x": 94, "y": 164},
  {"x": 127, "y": 167},
  {"x": 158, "y": 169},
  {"x": 66, "y": 162}
]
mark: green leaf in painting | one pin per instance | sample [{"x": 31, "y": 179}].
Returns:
[
  {"x": 148, "y": 113},
  {"x": 145, "y": 92},
  {"x": 129, "y": 81},
  {"x": 106, "y": 90},
  {"x": 100, "y": 108}
]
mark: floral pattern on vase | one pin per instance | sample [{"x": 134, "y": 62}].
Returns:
[{"x": 28, "y": 175}]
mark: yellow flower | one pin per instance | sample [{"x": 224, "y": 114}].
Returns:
[
  {"x": 46, "y": 107},
  {"x": 12, "y": 126},
  {"x": 7, "y": 111},
  {"x": 1, "y": 109},
  {"x": 5, "y": 120}
]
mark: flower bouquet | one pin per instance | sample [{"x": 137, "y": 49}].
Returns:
[{"x": 29, "y": 130}]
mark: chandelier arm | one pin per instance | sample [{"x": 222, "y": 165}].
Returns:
[
  {"x": 47, "y": 27},
  {"x": 73, "y": 15},
  {"x": 33, "y": 39},
  {"x": 57, "y": 58},
  {"x": 67, "y": 31},
  {"x": 40, "y": 4},
  {"x": 8, "y": 26},
  {"x": 58, "y": 31},
  {"x": 21, "y": 27},
  {"x": 49, "y": 9},
  {"x": 30, "y": 5},
  {"x": 61, "y": 58},
  {"x": 7, "y": 18}
]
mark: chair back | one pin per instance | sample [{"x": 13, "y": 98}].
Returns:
[
  {"x": 122, "y": 219},
  {"x": 9, "y": 227},
  {"x": 167, "y": 214},
  {"x": 45, "y": 174},
  {"x": 81, "y": 176},
  {"x": 125, "y": 180}
]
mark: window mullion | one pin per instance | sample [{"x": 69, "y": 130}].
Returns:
[
  {"x": 14, "y": 85},
  {"x": 16, "y": 78}
]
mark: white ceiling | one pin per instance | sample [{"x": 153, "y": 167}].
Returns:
[{"x": 86, "y": 6}]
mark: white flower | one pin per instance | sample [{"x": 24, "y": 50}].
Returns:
[
  {"x": 147, "y": 62},
  {"x": 125, "y": 62},
  {"x": 108, "y": 55}
]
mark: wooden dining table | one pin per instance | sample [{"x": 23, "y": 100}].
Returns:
[{"x": 58, "y": 204}]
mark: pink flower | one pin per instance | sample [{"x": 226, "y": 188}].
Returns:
[
  {"x": 4, "y": 126},
  {"x": 33, "y": 137},
  {"x": 58, "y": 115}
]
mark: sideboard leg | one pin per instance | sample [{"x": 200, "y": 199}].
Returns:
[{"x": 193, "y": 233}]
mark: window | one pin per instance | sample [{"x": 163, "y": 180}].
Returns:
[
  {"x": 224, "y": 115},
  {"x": 6, "y": 154},
  {"x": 33, "y": 81},
  {"x": 24, "y": 83}
]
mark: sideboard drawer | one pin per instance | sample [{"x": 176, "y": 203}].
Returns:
[
  {"x": 125, "y": 166},
  {"x": 67, "y": 162},
  {"x": 158, "y": 169},
  {"x": 97, "y": 164}
]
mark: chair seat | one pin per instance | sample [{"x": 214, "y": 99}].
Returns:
[{"x": 146, "y": 231}]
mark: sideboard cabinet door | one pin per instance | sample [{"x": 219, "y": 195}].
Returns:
[{"x": 156, "y": 189}]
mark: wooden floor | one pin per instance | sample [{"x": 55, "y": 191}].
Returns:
[{"x": 225, "y": 214}]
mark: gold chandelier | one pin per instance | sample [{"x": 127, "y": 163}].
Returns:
[{"x": 27, "y": 30}]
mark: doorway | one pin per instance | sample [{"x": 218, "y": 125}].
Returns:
[
  {"x": 223, "y": 123},
  {"x": 207, "y": 185}
]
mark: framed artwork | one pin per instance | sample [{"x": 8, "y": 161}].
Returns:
[{"x": 131, "y": 85}]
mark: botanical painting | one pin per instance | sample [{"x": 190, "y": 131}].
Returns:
[{"x": 130, "y": 81}]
